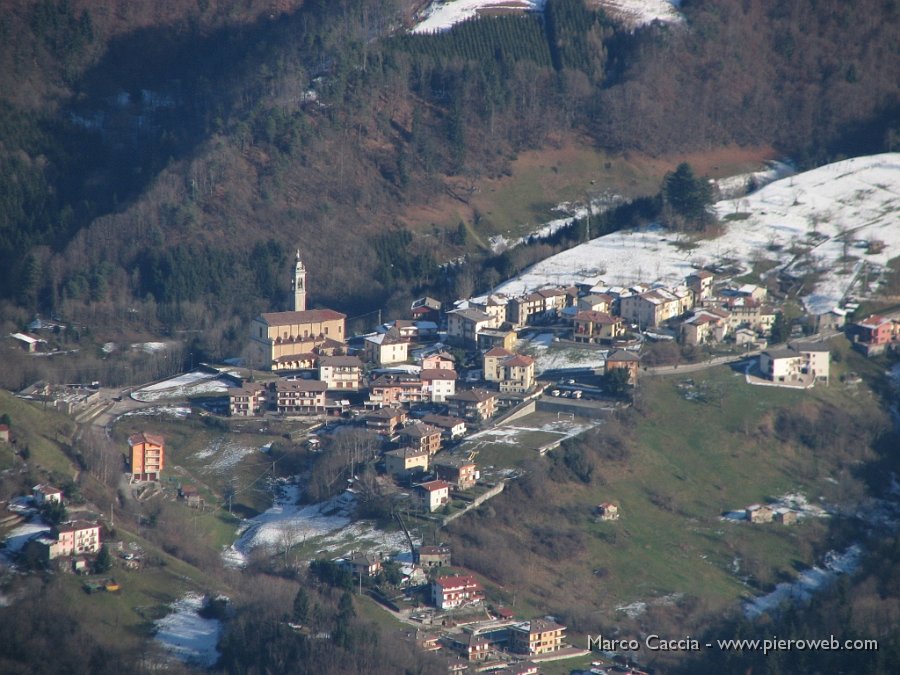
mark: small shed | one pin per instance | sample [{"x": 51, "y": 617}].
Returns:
[
  {"x": 608, "y": 511},
  {"x": 759, "y": 514},
  {"x": 785, "y": 516}
]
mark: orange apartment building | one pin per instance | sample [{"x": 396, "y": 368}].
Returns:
[{"x": 148, "y": 456}]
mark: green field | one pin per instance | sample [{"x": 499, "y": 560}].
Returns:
[
  {"x": 43, "y": 431},
  {"x": 690, "y": 462}
]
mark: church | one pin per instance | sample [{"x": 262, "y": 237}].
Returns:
[{"x": 293, "y": 340}]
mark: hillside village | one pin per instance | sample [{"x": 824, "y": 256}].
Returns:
[{"x": 419, "y": 385}]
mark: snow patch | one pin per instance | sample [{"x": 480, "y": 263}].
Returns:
[
  {"x": 188, "y": 636},
  {"x": 443, "y": 15},
  {"x": 807, "y": 582},
  {"x": 225, "y": 454},
  {"x": 635, "y": 13}
]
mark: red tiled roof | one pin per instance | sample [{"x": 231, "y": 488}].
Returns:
[
  {"x": 498, "y": 351},
  {"x": 435, "y": 485},
  {"x": 146, "y": 437}
]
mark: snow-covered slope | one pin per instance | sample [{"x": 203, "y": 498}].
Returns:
[
  {"x": 442, "y": 15},
  {"x": 634, "y": 13},
  {"x": 857, "y": 199}
]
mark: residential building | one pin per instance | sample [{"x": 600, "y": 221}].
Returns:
[
  {"x": 433, "y": 495},
  {"x": 518, "y": 374},
  {"x": 452, "y": 427},
  {"x": 364, "y": 564},
  {"x": 521, "y": 310},
  {"x": 512, "y": 372},
  {"x": 555, "y": 299},
  {"x": 749, "y": 312},
  {"x": 304, "y": 397},
  {"x": 384, "y": 349},
  {"x": 757, "y": 293},
  {"x": 247, "y": 400},
  {"x": 394, "y": 389},
  {"x": 494, "y": 306},
  {"x": 385, "y": 421},
  {"x": 474, "y": 405},
  {"x": 438, "y": 383},
  {"x": 874, "y": 334},
  {"x": 147, "y": 456},
  {"x": 488, "y": 338},
  {"x": 451, "y": 592},
  {"x": 76, "y": 537},
  {"x": 535, "y": 637},
  {"x": 433, "y": 556},
  {"x": 798, "y": 363},
  {"x": 439, "y": 361},
  {"x": 342, "y": 373},
  {"x": 701, "y": 284},
  {"x": 596, "y": 302},
  {"x": 597, "y": 327},
  {"x": 46, "y": 494},
  {"x": 422, "y": 437},
  {"x": 832, "y": 320},
  {"x": 426, "y": 309},
  {"x": 705, "y": 326},
  {"x": 281, "y": 334},
  {"x": 405, "y": 461},
  {"x": 619, "y": 358},
  {"x": 472, "y": 647},
  {"x": 652, "y": 308},
  {"x": 460, "y": 472},
  {"x": 491, "y": 361},
  {"x": 463, "y": 326}
]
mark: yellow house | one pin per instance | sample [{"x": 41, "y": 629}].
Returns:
[{"x": 405, "y": 461}]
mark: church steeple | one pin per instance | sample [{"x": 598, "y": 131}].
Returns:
[{"x": 298, "y": 285}]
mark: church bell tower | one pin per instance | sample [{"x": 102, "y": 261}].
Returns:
[{"x": 298, "y": 285}]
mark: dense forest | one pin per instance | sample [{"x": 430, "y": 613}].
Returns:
[{"x": 169, "y": 165}]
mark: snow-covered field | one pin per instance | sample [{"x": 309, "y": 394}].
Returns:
[
  {"x": 176, "y": 411},
  {"x": 182, "y": 386},
  {"x": 634, "y": 13},
  {"x": 21, "y": 535},
  {"x": 444, "y": 14},
  {"x": 188, "y": 636},
  {"x": 807, "y": 582},
  {"x": 858, "y": 198},
  {"x": 510, "y": 434},
  {"x": 327, "y": 525},
  {"x": 224, "y": 454}
]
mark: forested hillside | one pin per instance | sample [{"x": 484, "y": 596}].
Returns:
[{"x": 168, "y": 160}]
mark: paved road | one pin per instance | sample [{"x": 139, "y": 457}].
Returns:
[
  {"x": 702, "y": 365},
  {"x": 731, "y": 358}
]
